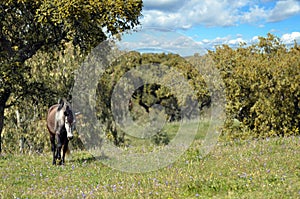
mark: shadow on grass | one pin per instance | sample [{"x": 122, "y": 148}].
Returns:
[{"x": 86, "y": 157}]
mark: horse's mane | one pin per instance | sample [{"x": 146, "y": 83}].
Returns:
[{"x": 61, "y": 103}]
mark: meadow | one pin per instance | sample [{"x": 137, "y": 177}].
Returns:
[
  {"x": 256, "y": 168},
  {"x": 262, "y": 92}
]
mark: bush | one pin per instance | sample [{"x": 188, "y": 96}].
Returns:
[
  {"x": 161, "y": 138},
  {"x": 262, "y": 87}
]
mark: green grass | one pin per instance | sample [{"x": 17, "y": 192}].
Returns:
[
  {"x": 170, "y": 130},
  {"x": 249, "y": 169}
]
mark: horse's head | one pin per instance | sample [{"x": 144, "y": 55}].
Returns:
[
  {"x": 68, "y": 117},
  {"x": 69, "y": 122}
]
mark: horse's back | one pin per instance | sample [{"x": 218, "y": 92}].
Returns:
[{"x": 51, "y": 118}]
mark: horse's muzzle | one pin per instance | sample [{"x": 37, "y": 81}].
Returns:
[{"x": 70, "y": 137}]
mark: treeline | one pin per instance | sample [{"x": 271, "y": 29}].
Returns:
[
  {"x": 261, "y": 84},
  {"x": 155, "y": 80}
]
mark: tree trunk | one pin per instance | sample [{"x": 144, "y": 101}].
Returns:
[
  {"x": 1, "y": 123},
  {"x": 3, "y": 99}
]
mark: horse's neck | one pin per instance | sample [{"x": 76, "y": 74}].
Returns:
[{"x": 59, "y": 116}]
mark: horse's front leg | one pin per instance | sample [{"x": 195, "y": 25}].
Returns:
[
  {"x": 65, "y": 149},
  {"x": 58, "y": 148},
  {"x": 53, "y": 148}
]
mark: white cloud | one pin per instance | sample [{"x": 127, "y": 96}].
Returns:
[
  {"x": 188, "y": 13},
  {"x": 184, "y": 14},
  {"x": 287, "y": 39},
  {"x": 228, "y": 40},
  {"x": 235, "y": 42},
  {"x": 254, "y": 14},
  {"x": 155, "y": 40},
  {"x": 291, "y": 38},
  {"x": 156, "y": 18},
  {"x": 283, "y": 10},
  {"x": 254, "y": 39}
]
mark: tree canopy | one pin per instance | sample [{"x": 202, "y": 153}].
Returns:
[{"x": 31, "y": 26}]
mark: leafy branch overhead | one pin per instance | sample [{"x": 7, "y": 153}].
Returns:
[
  {"x": 83, "y": 21},
  {"x": 29, "y": 26},
  {"x": 52, "y": 22}
]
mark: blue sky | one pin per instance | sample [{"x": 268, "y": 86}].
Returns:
[{"x": 207, "y": 23}]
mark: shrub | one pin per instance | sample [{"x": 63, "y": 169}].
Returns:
[{"x": 262, "y": 86}]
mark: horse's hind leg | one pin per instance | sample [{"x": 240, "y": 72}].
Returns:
[{"x": 53, "y": 148}]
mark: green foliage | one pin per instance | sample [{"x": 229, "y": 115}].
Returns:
[
  {"x": 161, "y": 138},
  {"x": 29, "y": 135},
  {"x": 148, "y": 95},
  {"x": 54, "y": 73},
  {"x": 262, "y": 87},
  {"x": 261, "y": 80},
  {"x": 30, "y": 27}
]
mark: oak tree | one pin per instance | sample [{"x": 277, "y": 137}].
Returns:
[{"x": 28, "y": 27}]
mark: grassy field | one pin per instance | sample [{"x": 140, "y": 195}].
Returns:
[{"x": 267, "y": 168}]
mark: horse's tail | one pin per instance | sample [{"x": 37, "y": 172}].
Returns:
[{"x": 68, "y": 152}]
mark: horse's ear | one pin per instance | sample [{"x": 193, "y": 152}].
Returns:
[
  {"x": 60, "y": 101},
  {"x": 61, "y": 104}
]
